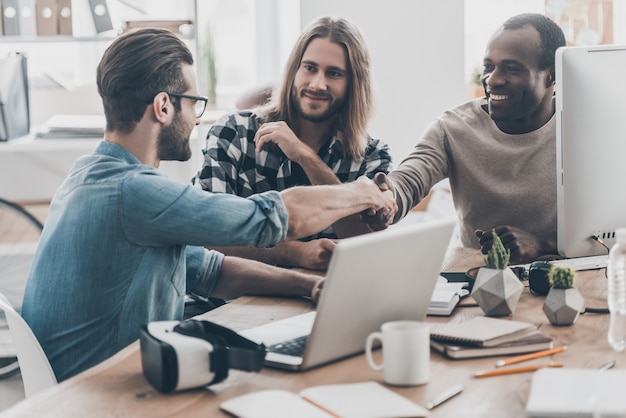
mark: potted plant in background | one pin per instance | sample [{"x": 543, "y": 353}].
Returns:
[
  {"x": 497, "y": 289},
  {"x": 563, "y": 302},
  {"x": 207, "y": 73}
]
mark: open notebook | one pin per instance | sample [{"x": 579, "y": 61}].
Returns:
[
  {"x": 577, "y": 393},
  {"x": 374, "y": 278}
]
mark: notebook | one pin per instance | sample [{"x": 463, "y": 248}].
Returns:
[
  {"x": 372, "y": 279},
  {"x": 446, "y": 296},
  {"x": 527, "y": 344},
  {"x": 362, "y": 399},
  {"x": 482, "y": 331},
  {"x": 569, "y": 393}
]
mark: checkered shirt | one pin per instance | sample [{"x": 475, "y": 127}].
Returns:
[{"x": 232, "y": 165}]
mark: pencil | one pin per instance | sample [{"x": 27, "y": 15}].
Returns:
[
  {"x": 500, "y": 372},
  {"x": 531, "y": 356}
]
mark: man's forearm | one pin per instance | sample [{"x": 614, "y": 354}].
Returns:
[
  {"x": 320, "y": 174},
  {"x": 311, "y": 209},
  {"x": 283, "y": 254},
  {"x": 240, "y": 276}
]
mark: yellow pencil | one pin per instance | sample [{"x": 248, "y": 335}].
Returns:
[
  {"x": 531, "y": 356},
  {"x": 500, "y": 372}
]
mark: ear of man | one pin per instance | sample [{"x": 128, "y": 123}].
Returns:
[
  {"x": 161, "y": 107},
  {"x": 551, "y": 78}
]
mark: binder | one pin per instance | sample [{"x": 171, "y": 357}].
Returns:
[
  {"x": 10, "y": 22},
  {"x": 100, "y": 14},
  {"x": 64, "y": 17},
  {"x": 46, "y": 17},
  {"x": 26, "y": 13}
]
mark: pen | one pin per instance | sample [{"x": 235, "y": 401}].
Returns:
[
  {"x": 608, "y": 365},
  {"x": 453, "y": 391},
  {"x": 515, "y": 370},
  {"x": 531, "y": 356}
]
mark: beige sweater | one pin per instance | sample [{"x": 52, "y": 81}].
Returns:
[{"x": 495, "y": 178}]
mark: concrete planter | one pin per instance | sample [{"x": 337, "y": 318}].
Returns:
[
  {"x": 497, "y": 291},
  {"x": 562, "y": 306}
]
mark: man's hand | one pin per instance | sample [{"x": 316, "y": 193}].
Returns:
[
  {"x": 317, "y": 291},
  {"x": 524, "y": 246},
  {"x": 280, "y": 134},
  {"x": 314, "y": 254},
  {"x": 378, "y": 220}
]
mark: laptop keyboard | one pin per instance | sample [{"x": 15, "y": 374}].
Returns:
[{"x": 294, "y": 347}]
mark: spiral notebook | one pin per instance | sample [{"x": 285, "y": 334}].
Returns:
[
  {"x": 526, "y": 344},
  {"x": 482, "y": 331}
]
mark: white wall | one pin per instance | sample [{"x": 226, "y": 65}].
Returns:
[
  {"x": 483, "y": 17},
  {"x": 417, "y": 55}
]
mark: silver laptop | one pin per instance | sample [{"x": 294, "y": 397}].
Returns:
[{"x": 371, "y": 279}]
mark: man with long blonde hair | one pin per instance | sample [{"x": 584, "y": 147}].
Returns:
[
  {"x": 123, "y": 244},
  {"x": 313, "y": 131}
]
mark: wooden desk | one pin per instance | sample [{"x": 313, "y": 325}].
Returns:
[{"x": 117, "y": 387}]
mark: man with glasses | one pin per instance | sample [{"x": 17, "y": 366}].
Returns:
[
  {"x": 312, "y": 132},
  {"x": 199, "y": 102},
  {"x": 123, "y": 243}
]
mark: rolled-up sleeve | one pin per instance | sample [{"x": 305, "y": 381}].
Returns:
[
  {"x": 273, "y": 206},
  {"x": 203, "y": 269}
]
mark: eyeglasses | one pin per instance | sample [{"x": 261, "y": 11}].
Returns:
[{"x": 199, "y": 105}]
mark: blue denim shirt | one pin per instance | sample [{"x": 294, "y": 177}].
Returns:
[{"x": 113, "y": 254}]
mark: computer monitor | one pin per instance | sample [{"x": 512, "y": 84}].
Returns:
[
  {"x": 14, "y": 105},
  {"x": 591, "y": 147}
]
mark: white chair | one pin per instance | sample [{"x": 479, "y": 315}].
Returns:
[{"x": 37, "y": 374}]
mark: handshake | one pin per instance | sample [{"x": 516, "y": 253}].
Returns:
[
  {"x": 379, "y": 217},
  {"x": 313, "y": 208}
]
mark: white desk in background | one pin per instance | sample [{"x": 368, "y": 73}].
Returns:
[{"x": 32, "y": 169}]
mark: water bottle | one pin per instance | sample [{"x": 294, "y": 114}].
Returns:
[{"x": 616, "y": 273}]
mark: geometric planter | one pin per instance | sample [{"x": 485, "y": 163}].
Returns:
[
  {"x": 497, "y": 291},
  {"x": 562, "y": 306}
]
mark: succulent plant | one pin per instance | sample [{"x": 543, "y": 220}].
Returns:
[
  {"x": 561, "y": 277},
  {"x": 497, "y": 257}
]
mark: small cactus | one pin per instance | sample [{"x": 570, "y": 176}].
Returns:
[
  {"x": 561, "y": 277},
  {"x": 497, "y": 257}
]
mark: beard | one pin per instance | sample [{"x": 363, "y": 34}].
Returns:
[
  {"x": 333, "y": 109},
  {"x": 173, "y": 143}
]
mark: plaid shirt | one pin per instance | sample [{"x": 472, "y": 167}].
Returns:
[{"x": 232, "y": 165}]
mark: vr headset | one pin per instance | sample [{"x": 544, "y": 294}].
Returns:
[{"x": 187, "y": 354}]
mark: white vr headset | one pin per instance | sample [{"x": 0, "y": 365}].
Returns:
[{"x": 187, "y": 354}]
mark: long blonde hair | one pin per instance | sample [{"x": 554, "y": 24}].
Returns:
[{"x": 357, "y": 109}]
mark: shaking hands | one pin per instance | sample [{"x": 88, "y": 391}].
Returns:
[{"x": 378, "y": 218}]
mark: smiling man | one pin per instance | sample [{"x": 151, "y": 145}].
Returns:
[
  {"x": 123, "y": 243},
  {"x": 497, "y": 151},
  {"x": 312, "y": 132}
]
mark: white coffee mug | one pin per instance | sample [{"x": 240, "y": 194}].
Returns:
[{"x": 406, "y": 352}]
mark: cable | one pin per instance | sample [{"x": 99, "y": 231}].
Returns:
[
  {"x": 601, "y": 311},
  {"x": 596, "y": 310},
  {"x": 599, "y": 241}
]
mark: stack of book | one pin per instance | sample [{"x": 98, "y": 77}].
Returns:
[
  {"x": 72, "y": 126},
  {"x": 484, "y": 336},
  {"x": 446, "y": 296}
]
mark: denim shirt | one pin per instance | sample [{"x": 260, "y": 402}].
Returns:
[{"x": 120, "y": 248}]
